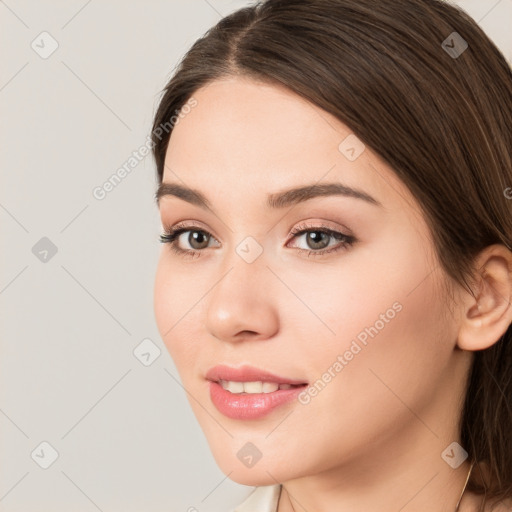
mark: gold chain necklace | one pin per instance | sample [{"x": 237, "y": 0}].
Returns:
[
  {"x": 456, "y": 507},
  {"x": 465, "y": 485}
]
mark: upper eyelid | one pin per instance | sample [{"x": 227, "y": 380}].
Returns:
[
  {"x": 182, "y": 226},
  {"x": 322, "y": 225}
]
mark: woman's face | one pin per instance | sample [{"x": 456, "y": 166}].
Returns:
[{"x": 362, "y": 320}]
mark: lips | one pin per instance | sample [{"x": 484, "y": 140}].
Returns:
[
  {"x": 243, "y": 406},
  {"x": 247, "y": 374}
]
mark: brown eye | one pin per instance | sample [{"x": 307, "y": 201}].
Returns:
[
  {"x": 317, "y": 239},
  {"x": 200, "y": 238},
  {"x": 196, "y": 239}
]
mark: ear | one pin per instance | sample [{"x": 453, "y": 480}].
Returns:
[{"x": 487, "y": 316}]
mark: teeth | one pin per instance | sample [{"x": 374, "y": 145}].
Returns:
[
  {"x": 253, "y": 387},
  {"x": 269, "y": 387}
]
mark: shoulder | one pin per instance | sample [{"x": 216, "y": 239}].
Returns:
[{"x": 261, "y": 499}]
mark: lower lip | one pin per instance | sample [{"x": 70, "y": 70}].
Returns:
[{"x": 250, "y": 406}]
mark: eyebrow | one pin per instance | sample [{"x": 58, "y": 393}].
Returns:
[{"x": 278, "y": 200}]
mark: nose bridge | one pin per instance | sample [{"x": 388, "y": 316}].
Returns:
[
  {"x": 243, "y": 273},
  {"x": 240, "y": 300}
]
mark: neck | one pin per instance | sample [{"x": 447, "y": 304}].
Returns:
[{"x": 397, "y": 479}]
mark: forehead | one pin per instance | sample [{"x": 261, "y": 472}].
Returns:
[
  {"x": 252, "y": 139},
  {"x": 237, "y": 118}
]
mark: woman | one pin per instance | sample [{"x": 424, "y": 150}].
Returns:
[{"x": 336, "y": 280}]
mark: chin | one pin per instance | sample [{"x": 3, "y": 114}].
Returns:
[{"x": 250, "y": 477}]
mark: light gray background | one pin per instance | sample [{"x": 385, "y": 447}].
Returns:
[{"x": 126, "y": 437}]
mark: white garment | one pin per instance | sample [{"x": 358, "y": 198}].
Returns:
[{"x": 261, "y": 499}]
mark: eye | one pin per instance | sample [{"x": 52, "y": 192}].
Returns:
[
  {"x": 197, "y": 238},
  {"x": 318, "y": 239}
]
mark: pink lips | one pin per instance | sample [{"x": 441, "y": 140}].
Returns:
[{"x": 249, "y": 406}]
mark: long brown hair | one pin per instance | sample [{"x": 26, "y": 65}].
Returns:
[{"x": 438, "y": 112}]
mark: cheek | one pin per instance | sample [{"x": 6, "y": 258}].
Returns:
[
  {"x": 385, "y": 294},
  {"x": 174, "y": 302},
  {"x": 163, "y": 301},
  {"x": 390, "y": 347},
  {"x": 370, "y": 290}
]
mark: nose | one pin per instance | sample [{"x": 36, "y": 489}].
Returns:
[{"x": 241, "y": 305}]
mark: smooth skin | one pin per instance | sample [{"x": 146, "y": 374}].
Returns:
[{"x": 372, "y": 439}]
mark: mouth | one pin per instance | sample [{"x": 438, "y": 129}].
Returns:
[{"x": 247, "y": 392}]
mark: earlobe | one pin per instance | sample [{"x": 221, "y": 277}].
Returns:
[{"x": 488, "y": 315}]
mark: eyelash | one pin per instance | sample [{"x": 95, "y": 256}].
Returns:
[{"x": 170, "y": 236}]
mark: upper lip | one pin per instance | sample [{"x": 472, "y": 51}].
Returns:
[{"x": 247, "y": 374}]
